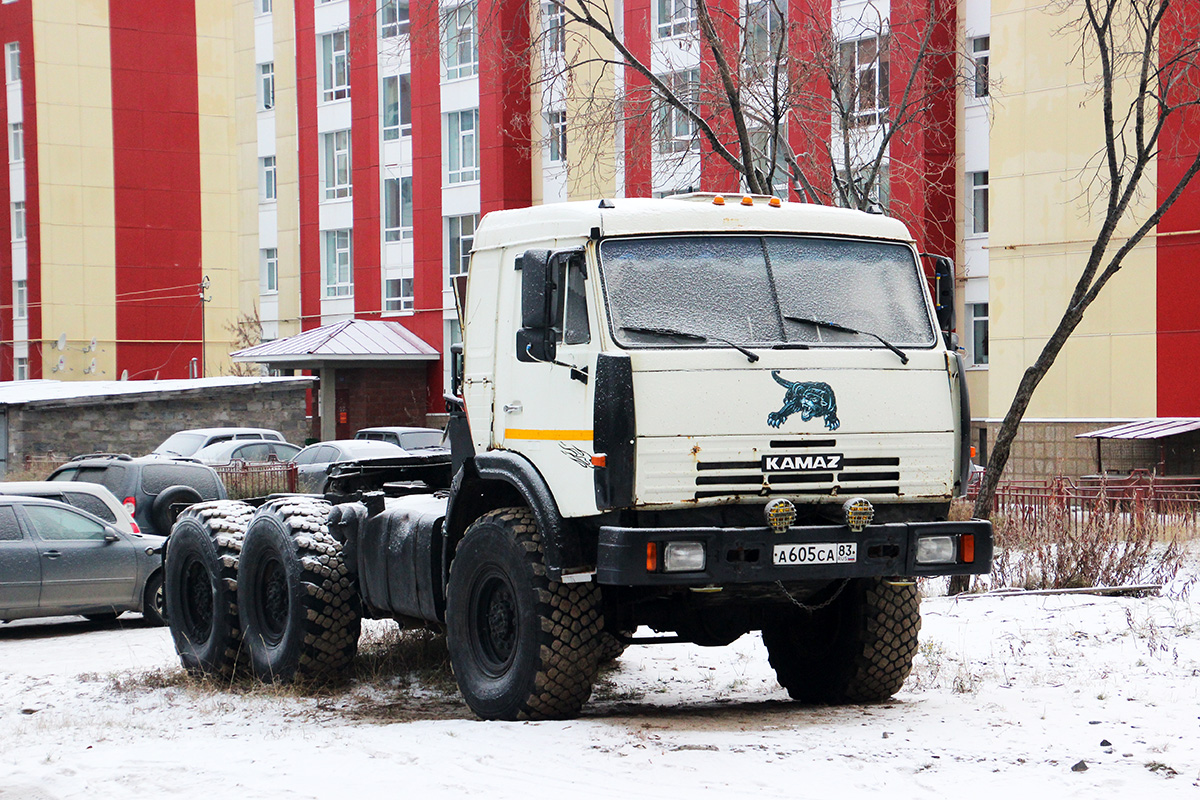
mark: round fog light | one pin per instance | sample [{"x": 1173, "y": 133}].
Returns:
[
  {"x": 859, "y": 513},
  {"x": 781, "y": 514}
]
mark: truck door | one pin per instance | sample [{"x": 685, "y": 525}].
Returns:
[{"x": 543, "y": 399}]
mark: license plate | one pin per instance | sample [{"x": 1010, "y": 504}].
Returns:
[{"x": 807, "y": 554}]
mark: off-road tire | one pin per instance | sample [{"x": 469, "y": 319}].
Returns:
[
  {"x": 200, "y": 584},
  {"x": 858, "y": 649},
  {"x": 522, "y": 646},
  {"x": 610, "y": 647},
  {"x": 154, "y": 600},
  {"x": 297, "y": 597}
]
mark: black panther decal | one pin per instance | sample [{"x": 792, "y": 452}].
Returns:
[{"x": 810, "y": 399}]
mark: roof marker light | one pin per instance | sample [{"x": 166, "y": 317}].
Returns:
[
  {"x": 774, "y": 202},
  {"x": 718, "y": 200},
  {"x": 747, "y": 200}
]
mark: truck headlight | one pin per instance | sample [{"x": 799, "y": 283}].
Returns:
[
  {"x": 936, "y": 550},
  {"x": 683, "y": 557}
]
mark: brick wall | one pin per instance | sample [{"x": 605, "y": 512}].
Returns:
[
  {"x": 136, "y": 424},
  {"x": 374, "y": 396},
  {"x": 1044, "y": 449}
]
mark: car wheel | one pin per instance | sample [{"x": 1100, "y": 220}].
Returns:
[{"x": 153, "y": 600}]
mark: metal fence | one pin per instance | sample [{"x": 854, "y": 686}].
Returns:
[{"x": 259, "y": 479}]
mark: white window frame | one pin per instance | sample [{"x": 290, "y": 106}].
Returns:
[
  {"x": 460, "y": 41},
  {"x": 20, "y": 368},
  {"x": 393, "y": 18},
  {"x": 397, "y": 208},
  {"x": 268, "y": 270},
  {"x": 556, "y": 125},
  {"x": 979, "y": 202},
  {"x": 865, "y": 72},
  {"x": 12, "y": 61},
  {"x": 268, "y": 187},
  {"x": 398, "y": 294},
  {"x": 765, "y": 23},
  {"x": 20, "y": 300},
  {"x": 337, "y": 263},
  {"x": 338, "y": 169},
  {"x": 462, "y": 151},
  {"x": 977, "y": 317},
  {"x": 16, "y": 142},
  {"x": 554, "y": 20},
  {"x": 677, "y": 131},
  {"x": 263, "y": 6},
  {"x": 396, "y": 118},
  {"x": 979, "y": 50},
  {"x": 460, "y": 238},
  {"x": 18, "y": 221},
  {"x": 266, "y": 85},
  {"x": 675, "y": 18},
  {"x": 335, "y": 66}
]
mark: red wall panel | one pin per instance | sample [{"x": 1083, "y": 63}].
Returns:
[
  {"x": 364, "y": 150},
  {"x": 309, "y": 170},
  {"x": 639, "y": 134}
]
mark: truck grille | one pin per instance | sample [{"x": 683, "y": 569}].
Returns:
[{"x": 733, "y": 466}]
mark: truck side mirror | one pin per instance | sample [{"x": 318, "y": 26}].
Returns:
[
  {"x": 535, "y": 339},
  {"x": 535, "y": 289},
  {"x": 456, "y": 369},
  {"x": 943, "y": 292}
]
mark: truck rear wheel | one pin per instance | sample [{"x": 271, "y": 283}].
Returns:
[
  {"x": 297, "y": 598},
  {"x": 200, "y": 584},
  {"x": 857, "y": 649},
  {"x": 522, "y": 646}
]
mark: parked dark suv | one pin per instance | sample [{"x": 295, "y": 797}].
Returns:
[{"x": 153, "y": 489}]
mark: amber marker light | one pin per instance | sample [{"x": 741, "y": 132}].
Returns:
[
  {"x": 718, "y": 201},
  {"x": 651, "y": 556},
  {"x": 774, "y": 202},
  {"x": 747, "y": 200},
  {"x": 966, "y": 548},
  {"x": 600, "y": 460}
]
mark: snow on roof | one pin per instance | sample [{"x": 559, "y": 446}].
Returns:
[
  {"x": 349, "y": 340},
  {"x": 1153, "y": 428},
  {"x": 43, "y": 391}
]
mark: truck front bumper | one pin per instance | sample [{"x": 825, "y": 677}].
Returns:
[{"x": 635, "y": 556}]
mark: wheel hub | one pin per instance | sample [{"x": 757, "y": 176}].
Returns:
[
  {"x": 495, "y": 623},
  {"x": 273, "y": 600},
  {"x": 198, "y": 601}
]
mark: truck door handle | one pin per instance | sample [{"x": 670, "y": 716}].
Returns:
[
  {"x": 51, "y": 554},
  {"x": 514, "y": 407}
]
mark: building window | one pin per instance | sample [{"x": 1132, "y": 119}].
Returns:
[
  {"x": 20, "y": 300},
  {"x": 462, "y": 238},
  {"x": 16, "y": 142},
  {"x": 12, "y": 62},
  {"x": 557, "y": 123},
  {"x": 764, "y": 26},
  {"x": 393, "y": 16},
  {"x": 555, "y": 17},
  {"x": 335, "y": 66},
  {"x": 979, "y": 201},
  {"x": 978, "y": 314},
  {"x": 676, "y": 17},
  {"x": 337, "y": 164},
  {"x": 397, "y": 107},
  {"x": 980, "y": 51},
  {"x": 266, "y": 86},
  {"x": 263, "y": 6},
  {"x": 339, "y": 276},
  {"x": 677, "y": 129},
  {"x": 397, "y": 209},
  {"x": 398, "y": 294},
  {"x": 462, "y": 145},
  {"x": 268, "y": 270},
  {"x": 266, "y": 179},
  {"x": 461, "y": 44},
  {"x": 20, "y": 369},
  {"x": 18, "y": 221},
  {"x": 863, "y": 81}
]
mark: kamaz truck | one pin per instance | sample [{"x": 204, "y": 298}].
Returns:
[{"x": 675, "y": 420}]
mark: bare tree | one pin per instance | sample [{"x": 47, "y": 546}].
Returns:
[
  {"x": 811, "y": 102},
  {"x": 1144, "y": 60}
]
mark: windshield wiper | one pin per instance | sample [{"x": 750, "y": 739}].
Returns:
[
  {"x": 750, "y": 355},
  {"x": 833, "y": 326}
]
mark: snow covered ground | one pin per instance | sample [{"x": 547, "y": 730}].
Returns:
[{"x": 1014, "y": 697}]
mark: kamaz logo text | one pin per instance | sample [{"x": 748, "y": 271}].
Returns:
[{"x": 802, "y": 463}]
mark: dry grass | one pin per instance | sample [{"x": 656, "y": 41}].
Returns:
[{"x": 1060, "y": 547}]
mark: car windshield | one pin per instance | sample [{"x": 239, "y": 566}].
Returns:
[
  {"x": 181, "y": 444},
  {"x": 696, "y": 291}
]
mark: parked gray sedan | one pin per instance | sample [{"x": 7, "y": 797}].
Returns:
[
  {"x": 57, "y": 560},
  {"x": 313, "y": 462}
]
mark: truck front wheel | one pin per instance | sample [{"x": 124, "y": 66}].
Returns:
[
  {"x": 522, "y": 646},
  {"x": 857, "y": 649}
]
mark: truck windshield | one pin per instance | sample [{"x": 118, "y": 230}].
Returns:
[{"x": 764, "y": 290}]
